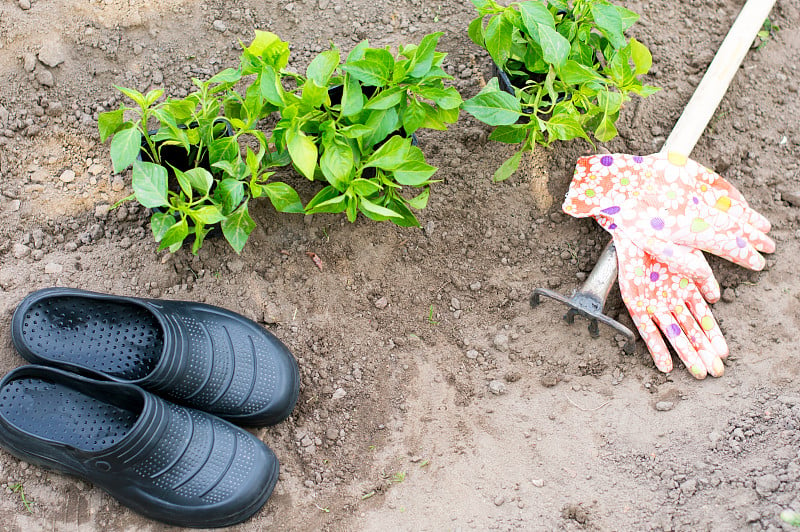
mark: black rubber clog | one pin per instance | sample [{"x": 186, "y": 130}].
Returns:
[
  {"x": 170, "y": 463},
  {"x": 198, "y": 355}
]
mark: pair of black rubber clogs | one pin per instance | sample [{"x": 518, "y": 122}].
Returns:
[{"x": 137, "y": 396}]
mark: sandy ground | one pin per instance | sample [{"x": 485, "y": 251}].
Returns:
[{"x": 397, "y": 427}]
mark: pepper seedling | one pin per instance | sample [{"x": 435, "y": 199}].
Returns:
[{"x": 566, "y": 70}]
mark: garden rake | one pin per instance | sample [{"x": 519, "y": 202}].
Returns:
[{"x": 589, "y": 300}]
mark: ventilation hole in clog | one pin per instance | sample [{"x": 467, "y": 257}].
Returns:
[
  {"x": 95, "y": 334},
  {"x": 60, "y": 413}
]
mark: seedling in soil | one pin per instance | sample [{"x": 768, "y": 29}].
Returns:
[
  {"x": 430, "y": 316},
  {"x": 768, "y": 30},
  {"x": 791, "y": 517},
  {"x": 399, "y": 477},
  {"x": 20, "y": 489},
  {"x": 350, "y": 124},
  {"x": 569, "y": 70},
  {"x": 198, "y": 168}
]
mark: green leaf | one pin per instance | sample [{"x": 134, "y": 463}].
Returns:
[
  {"x": 447, "y": 116},
  {"x": 183, "y": 182},
  {"x": 327, "y": 200},
  {"x": 208, "y": 215},
  {"x": 237, "y": 170},
  {"x": 475, "y": 31},
  {"x": 125, "y": 147},
  {"x": 647, "y": 90},
  {"x": 352, "y": 97},
  {"x": 387, "y": 98},
  {"x": 433, "y": 116},
  {"x": 109, "y": 122},
  {"x": 609, "y": 23},
  {"x": 533, "y": 14},
  {"x": 152, "y": 96},
  {"x": 160, "y": 222},
  {"x": 229, "y": 192},
  {"x": 555, "y": 48},
  {"x": 627, "y": 17},
  {"x": 355, "y": 131},
  {"x": 271, "y": 88},
  {"x": 414, "y": 173},
  {"x": 283, "y": 197},
  {"x": 421, "y": 200},
  {"x": 423, "y": 55},
  {"x": 619, "y": 68},
  {"x": 606, "y": 130},
  {"x": 134, "y": 95},
  {"x": 175, "y": 235},
  {"x": 498, "y": 39},
  {"x": 391, "y": 155},
  {"x": 199, "y": 235},
  {"x": 365, "y": 187},
  {"x": 149, "y": 181},
  {"x": 336, "y": 164},
  {"x": 351, "y": 208},
  {"x": 303, "y": 151},
  {"x": 574, "y": 73},
  {"x": 313, "y": 96},
  {"x": 358, "y": 51},
  {"x": 407, "y": 218},
  {"x": 641, "y": 56},
  {"x": 513, "y": 134},
  {"x": 200, "y": 179},
  {"x": 508, "y": 168},
  {"x": 383, "y": 123},
  {"x": 237, "y": 227},
  {"x": 413, "y": 117},
  {"x": 610, "y": 102},
  {"x": 376, "y": 69},
  {"x": 375, "y": 211},
  {"x": 493, "y": 106},
  {"x": 322, "y": 66},
  {"x": 227, "y": 76},
  {"x": 448, "y": 98},
  {"x": 180, "y": 109},
  {"x": 271, "y": 48},
  {"x": 565, "y": 127}
]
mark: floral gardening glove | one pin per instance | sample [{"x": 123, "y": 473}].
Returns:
[
  {"x": 659, "y": 299},
  {"x": 669, "y": 206}
]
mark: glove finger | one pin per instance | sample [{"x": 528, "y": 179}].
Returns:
[
  {"x": 709, "y": 287},
  {"x": 652, "y": 338},
  {"x": 729, "y": 197},
  {"x": 703, "y": 316},
  {"x": 728, "y": 239},
  {"x": 725, "y": 223},
  {"x": 678, "y": 258},
  {"x": 700, "y": 342},
  {"x": 742, "y": 211},
  {"x": 686, "y": 352}
]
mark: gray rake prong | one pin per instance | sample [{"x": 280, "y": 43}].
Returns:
[{"x": 591, "y": 298}]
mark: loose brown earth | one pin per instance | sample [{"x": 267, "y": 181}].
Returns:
[{"x": 433, "y": 397}]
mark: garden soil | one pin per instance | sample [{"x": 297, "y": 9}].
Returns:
[{"x": 433, "y": 396}]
